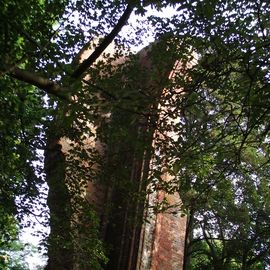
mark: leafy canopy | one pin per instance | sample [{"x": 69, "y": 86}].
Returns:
[{"x": 217, "y": 110}]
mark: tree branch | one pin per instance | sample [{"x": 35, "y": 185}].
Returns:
[
  {"x": 54, "y": 88},
  {"x": 103, "y": 45},
  {"x": 45, "y": 84}
]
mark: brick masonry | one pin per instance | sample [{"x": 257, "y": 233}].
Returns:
[{"x": 162, "y": 238}]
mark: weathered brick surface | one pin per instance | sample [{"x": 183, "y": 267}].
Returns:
[
  {"x": 163, "y": 237},
  {"x": 159, "y": 243},
  {"x": 168, "y": 246}
]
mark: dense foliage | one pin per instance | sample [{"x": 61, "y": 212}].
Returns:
[{"x": 217, "y": 109}]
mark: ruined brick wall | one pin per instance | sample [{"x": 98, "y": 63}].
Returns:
[
  {"x": 157, "y": 244},
  {"x": 163, "y": 235},
  {"x": 162, "y": 239}
]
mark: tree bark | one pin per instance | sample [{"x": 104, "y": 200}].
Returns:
[
  {"x": 60, "y": 250},
  {"x": 188, "y": 240}
]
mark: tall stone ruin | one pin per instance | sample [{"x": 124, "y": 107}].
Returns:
[{"x": 139, "y": 236}]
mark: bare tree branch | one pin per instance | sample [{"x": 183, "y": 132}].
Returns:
[
  {"x": 45, "y": 84},
  {"x": 103, "y": 45}
]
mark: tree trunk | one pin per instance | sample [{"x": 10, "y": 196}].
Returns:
[
  {"x": 60, "y": 251},
  {"x": 188, "y": 240}
]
